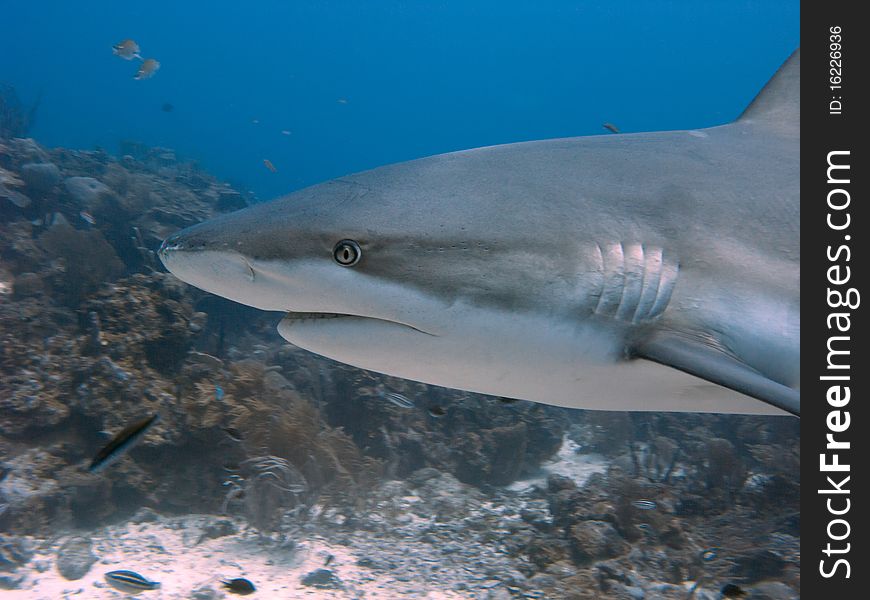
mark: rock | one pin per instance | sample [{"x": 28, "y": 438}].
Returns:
[
  {"x": 421, "y": 476},
  {"x": 498, "y": 594},
  {"x": 756, "y": 566},
  {"x": 218, "y": 529},
  {"x": 14, "y": 552},
  {"x": 15, "y": 197},
  {"x": 144, "y": 515},
  {"x": 11, "y": 582},
  {"x": 772, "y": 590},
  {"x": 595, "y": 540},
  {"x": 41, "y": 177},
  {"x": 75, "y": 557},
  {"x": 557, "y": 483},
  {"x": 323, "y": 579},
  {"x": 86, "y": 191}
]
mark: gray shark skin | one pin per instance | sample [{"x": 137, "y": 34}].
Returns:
[{"x": 651, "y": 271}]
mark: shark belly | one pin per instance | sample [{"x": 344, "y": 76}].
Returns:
[{"x": 518, "y": 356}]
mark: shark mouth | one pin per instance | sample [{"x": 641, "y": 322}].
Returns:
[{"x": 292, "y": 316}]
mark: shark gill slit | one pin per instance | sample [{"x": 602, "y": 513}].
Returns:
[{"x": 637, "y": 282}]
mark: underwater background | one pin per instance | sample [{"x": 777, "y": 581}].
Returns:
[{"x": 268, "y": 464}]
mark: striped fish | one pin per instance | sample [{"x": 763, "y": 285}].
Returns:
[
  {"x": 644, "y": 504},
  {"x": 399, "y": 400},
  {"x": 130, "y": 581},
  {"x": 121, "y": 443}
]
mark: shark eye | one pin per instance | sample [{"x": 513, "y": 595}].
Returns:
[{"x": 347, "y": 253}]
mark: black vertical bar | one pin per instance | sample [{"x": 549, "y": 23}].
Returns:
[{"x": 834, "y": 228}]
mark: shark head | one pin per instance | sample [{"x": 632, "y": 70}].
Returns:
[{"x": 392, "y": 271}]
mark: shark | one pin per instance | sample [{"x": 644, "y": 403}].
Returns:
[{"x": 654, "y": 271}]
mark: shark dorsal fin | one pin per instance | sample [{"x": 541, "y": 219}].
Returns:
[{"x": 778, "y": 105}]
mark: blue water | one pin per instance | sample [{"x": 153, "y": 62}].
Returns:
[{"x": 419, "y": 77}]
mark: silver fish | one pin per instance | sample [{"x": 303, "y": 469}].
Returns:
[
  {"x": 130, "y": 581},
  {"x": 644, "y": 504}
]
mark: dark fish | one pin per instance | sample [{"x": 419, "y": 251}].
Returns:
[
  {"x": 729, "y": 590},
  {"x": 130, "y": 581},
  {"x": 437, "y": 412},
  {"x": 399, "y": 400},
  {"x": 269, "y": 165},
  {"x": 611, "y": 127},
  {"x": 121, "y": 443},
  {"x": 167, "y": 107},
  {"x": 328, "y": 560},
  {"x": 240, "y": 586},
  {"x": 234, "y": 434},
  {"x": 644, "y": 504},
  {"x": 507, "y": 400}
]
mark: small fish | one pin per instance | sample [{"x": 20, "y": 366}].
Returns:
[
  {"x": 167, "y": 107},
  {"x": 255, "y": 121},
  {"x": 269, "y": 165},
  {"x": 121, "y": 443},
  {"x": 342, "y": 100},
  {"x": 285, "y": 132},
  {"x": 88, "y": 217},
  {"x": 507, "y": 400},
  {"x": 233, "y": 433},
  {"x": 399, "y": 400},
  {"x": 130, "y": 581},
  {"x": 240, "y": 586},
  {"x": 729, "y": 590},
  {"x": 611, "y": 127},
  {"x": 218, "y": 393},
  {"x": 328, "y": 560},
  {"x": 147, "y": 69},
  {"x": 295, "y": 488},
  {"x": 709, "y": 555},
  {"x": 128, "y": 50},
  {"x": 644, "y": 504},
  {"x": 437, "y": 412}
]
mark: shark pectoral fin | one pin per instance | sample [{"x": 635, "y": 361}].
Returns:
[{"x": 708, "y": 363}]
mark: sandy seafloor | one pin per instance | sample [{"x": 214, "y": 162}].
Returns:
[{"x": 402, "y": 562}]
